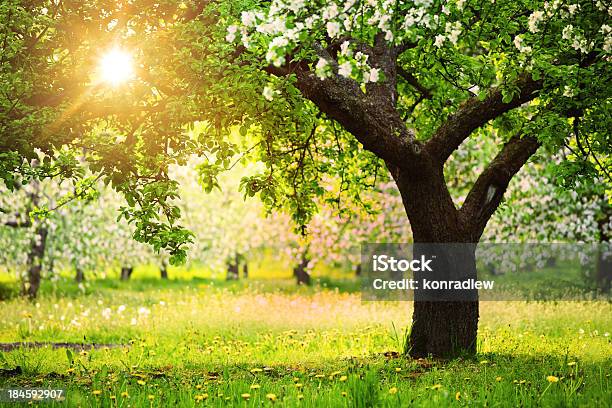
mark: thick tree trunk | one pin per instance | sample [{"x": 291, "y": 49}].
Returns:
[
  {"x": 443, "y": 325},
  {"x": 245, "y": 270},
  {"x": 300, "y": 270},
  {"x": 445, "y": 322},
  {"x": 35, "y": 258},
  {"x": 126, "y": 272}
]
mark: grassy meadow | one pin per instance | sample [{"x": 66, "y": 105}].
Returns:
[{"x": 195, "y": 341}]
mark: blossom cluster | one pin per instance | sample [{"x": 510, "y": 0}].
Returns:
[{"x": 286, "y": 25}]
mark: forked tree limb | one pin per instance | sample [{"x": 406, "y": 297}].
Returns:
[
  {"x": 488, "y": 190},
  {"x": 474, "y": 113}
]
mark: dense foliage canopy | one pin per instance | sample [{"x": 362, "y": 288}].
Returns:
[{"x": 276, "y": 82}]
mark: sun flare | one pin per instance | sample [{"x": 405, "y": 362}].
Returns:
[{"x": 116, "y": 67}]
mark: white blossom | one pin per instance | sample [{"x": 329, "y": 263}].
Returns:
[
  {"x": 248, "y": 18},
  {"x": 534, "y": 20},
  {"x": 333, "y": 28},
  {"x": 268, "y": 93},
  {"x": 231, "y": 33},
  {"x": 345, "y": 69},
  {"x": 572, "y": 8},
  {"x": 321, "y": 69},
  {"x": 518, "y": 43},
  {"x": 374, "y": 75}
]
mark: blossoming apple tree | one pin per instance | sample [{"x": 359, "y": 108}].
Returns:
[
  {"x": 411, "y": 81},
  {"x": 348, "y": 88}
]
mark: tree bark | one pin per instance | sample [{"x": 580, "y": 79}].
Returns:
[
  {"x": 79, "y": 276},
  {"x": 126, "y": 272},
  {"x": 245, "y": 270},
  {"x": 37, "y": 249},
  {"x": 35, "y": 258},
  {"x": 604, "y": 260},
  {"x": 300, "y": 270},
  {"x": 233, "y": 268},
  {"x": 358, "y": 270},
  {"x": 163, "y": 270},
  {"x": 440, "y": 327}
]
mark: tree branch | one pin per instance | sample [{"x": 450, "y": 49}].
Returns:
[
  {"x": 18, "y": 224},
  {"x": 371, "y": 117},
  {"x": 488, "y": 190},
  {"x": 413, "y": 82},
  {"x": 474, "y": 113}
]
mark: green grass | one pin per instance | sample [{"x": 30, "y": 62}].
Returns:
[{"x": 318, "y": 346}]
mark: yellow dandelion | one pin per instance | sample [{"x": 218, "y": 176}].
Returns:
[
  {"x": 299, "y": 385},
  {"x": 97, "y": 392},
  {"x": 300, "y": 396},
  {"x": 151, "y": 397},
  {"x": 343, "y": 378},
  {"x": 199, "y": 387},
  {"x": 320, "y": 376},
  {"x": 246, "y": 396},
  {"x": 498, "y": 379},
  {"x": 436, "y": 386},
  {"x": 201, "y": 397},
  {"x": 343, "y": 393},
  {"x": 256, "y": 370},
  {"x": 552, "y": 379},
  {"x": 335, "y": 373},
  {"x": 141, "y": 382},
  {"x": 458, "y": 396},
  {"x": 398, "y": 369},
  {"x": 484, "y": 362},
  {"x": 271, "y": 397},
  {"x": 571, "y": 363},
  {"x": 70, "y": 371},
  {"x": 113, "y": 397},
  {"x": 255, "y": 386},
  {"x": 393, "y": 390},
  {"x": 125, "y": 394},
  {"x": 83, "y": 353}
]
